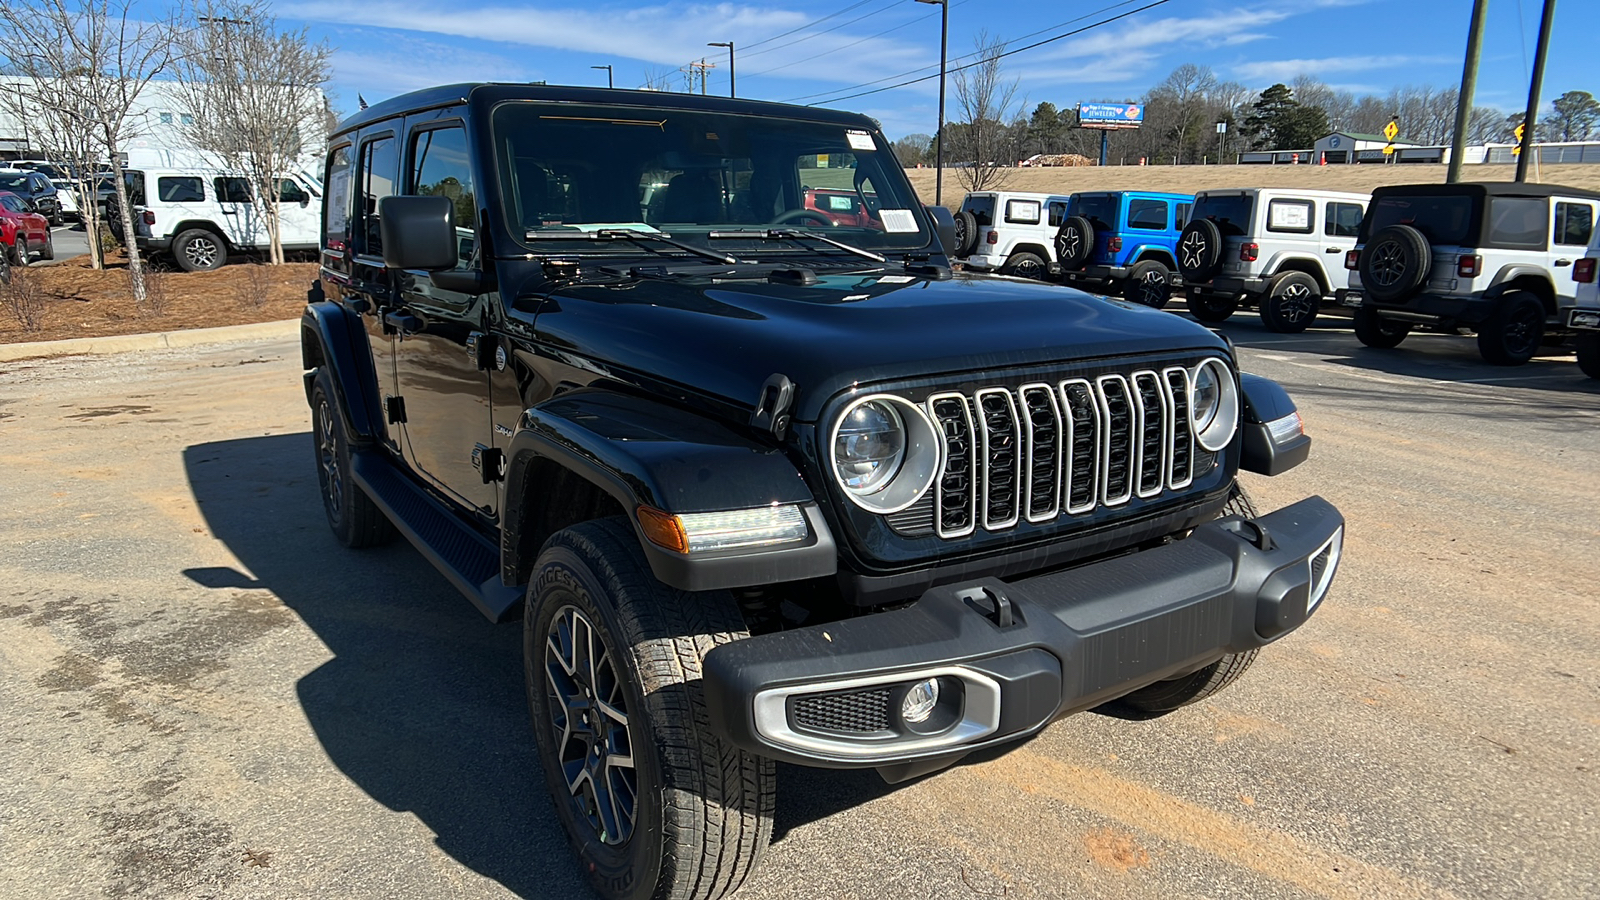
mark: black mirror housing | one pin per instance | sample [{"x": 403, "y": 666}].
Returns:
[
  {"x": 418, "y": 232},
  {"x": 945, "y": 225}
]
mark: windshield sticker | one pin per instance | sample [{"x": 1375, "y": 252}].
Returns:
[
  {"x": 839, "y": 203},
  {"x": 896, "y": 279},
  {"x": 898, "y": 221},
  {"x": 860, "y": 140}
]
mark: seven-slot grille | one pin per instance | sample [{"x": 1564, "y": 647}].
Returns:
[{"x": 1040, "y": 451}]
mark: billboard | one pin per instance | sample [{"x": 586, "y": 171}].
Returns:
[{"x": 1110, "y": 115}]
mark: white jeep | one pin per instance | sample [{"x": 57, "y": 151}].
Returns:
[
  {"x": 1010, "y": 232},
  {"x": 1584, "y": 317},
  {"x": 1273, "y": 248},
  {"x": 199, "y": 216},
  {"x": 1488, "y": 256}
]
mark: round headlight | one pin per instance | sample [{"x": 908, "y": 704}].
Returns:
[
  {"x": 869, "y": 447},
  {"x": 885, "y": 453},
  {"x": 1213, "y": 404}
]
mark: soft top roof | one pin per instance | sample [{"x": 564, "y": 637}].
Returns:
[
  {"x": 453, "y": 94},
  {"x": 1485, "y": 189}
]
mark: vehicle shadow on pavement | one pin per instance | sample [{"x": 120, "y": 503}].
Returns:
[{"x": 421, "y": 705}]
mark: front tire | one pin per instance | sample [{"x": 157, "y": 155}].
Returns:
[
  {"x": 355, "y": 520},
  {"x": 1589, "y": 354},
  {"x": 1166, "y": 696},
  {"x": 1149, "y": 284},
  {"x": 1374, "y": 331},
  {"x": 1291, "y": 304},
  {"x": 1513, "y": 332},
  {"x": 654, "y": 804},
  {"x": 1212, "y": 308}
]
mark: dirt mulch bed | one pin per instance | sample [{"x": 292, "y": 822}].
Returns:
[{"x": 77, "y": 301}]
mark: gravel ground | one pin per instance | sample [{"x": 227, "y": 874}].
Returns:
[{"x": 202, "y": 695}]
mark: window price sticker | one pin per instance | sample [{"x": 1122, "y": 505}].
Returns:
[
  {"x": 860, "y": 140},
  {"x": 898, "y": 221}
]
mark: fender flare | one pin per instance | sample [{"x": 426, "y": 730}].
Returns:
[
  {"x": 332, "y": 337},
  {"x": 1264, "y": 401},
  {"x": 644, "y": 453},
  {"x": 1157, "y": 252}
]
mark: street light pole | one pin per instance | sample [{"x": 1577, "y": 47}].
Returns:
[
  {"x": 609, "y": 82},
  {"x": 732, "y": 92},
  {"x": 944, "y": 53}
]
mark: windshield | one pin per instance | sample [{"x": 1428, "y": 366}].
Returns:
[
  {"x": 1230, "y": 212},
  {"x": 1441, "y": 219},
  {"x": 1099, "y": 209},
  {"x": 568, "y": 169},
  {"x": 15, "y": 183}
]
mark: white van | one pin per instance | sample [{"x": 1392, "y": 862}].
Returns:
[{"x": 200, "y": 216}]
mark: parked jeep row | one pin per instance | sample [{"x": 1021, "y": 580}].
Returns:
[{"x": 1500, "y": 260}]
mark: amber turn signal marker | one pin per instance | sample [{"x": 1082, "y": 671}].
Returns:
[{"x": 663, "y": 529}]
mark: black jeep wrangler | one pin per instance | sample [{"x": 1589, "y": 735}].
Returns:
[{"x": 765, "y": 484}]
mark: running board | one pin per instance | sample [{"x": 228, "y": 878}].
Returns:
[{"x": 465, "y": 557}]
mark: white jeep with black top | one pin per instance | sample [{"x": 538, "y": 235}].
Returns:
[
  {"x": 1009, "y": 232},
  {"x": 1484, "y": 256},
  {"x": 1271, "y": 248}
]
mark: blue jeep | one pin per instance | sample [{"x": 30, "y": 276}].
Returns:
[{"x": 1123, "y": 241}]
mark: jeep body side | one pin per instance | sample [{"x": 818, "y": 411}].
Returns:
[
  {"x": 1495, "y": 257},
  {"x": 198, "y": 216},
  {"x": 1009, "y": 232},
  {"x": 765, "y": 487},
  {"x": 1584, "y": 317},
  {"x": 1124, "y": 241},
  {"x": 1278, "y": 250}
]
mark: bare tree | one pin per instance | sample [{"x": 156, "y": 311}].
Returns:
[
  {"x": 255, "y": 93},
  {"x": 109, "y": 53},
  {"x": 985, "y": 99},
  {"x": 54, "y": 111},
  {"x": 1184, "y": 94},
  {"x": 656, "y": 79}
]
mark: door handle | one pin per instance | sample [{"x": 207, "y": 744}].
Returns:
[
  {"x": 1333, "y": 250},
  {"x": 402, "y": 321},
  {"x": 1563, "y": 262},
  {"x": 230, "y": 212}
]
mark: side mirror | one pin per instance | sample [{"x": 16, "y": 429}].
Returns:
[
  {"x": 418, "y": 232},
  {"x": 945, "y": 225}
]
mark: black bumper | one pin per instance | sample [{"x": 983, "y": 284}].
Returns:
[
  {"x": 1099, "y": 276},
  {"x": 149, "y": 244},
  {"x": 1434, "y": 309},
  {"x": 1013, "y": 657}
]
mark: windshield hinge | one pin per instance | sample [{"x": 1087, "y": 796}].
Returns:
[{"x": 772, "y": 406}]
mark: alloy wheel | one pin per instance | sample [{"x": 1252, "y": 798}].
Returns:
[
  {"x": 1524, "y": 330},
  {"x": 1152, "y": 288},
  {"x": 1387, "y": 263},
  {"x": 1296, "y": 302},
  {"x": 589, "y": 716},
  {"x": 201, "y": 252},
  {"x": 328, "y": 458},
  {"x": 1193, "y": 250}
]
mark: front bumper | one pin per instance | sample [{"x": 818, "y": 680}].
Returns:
[
  {"x": 1013, "y": 657},
  {"x": 1583, "y": 319}
]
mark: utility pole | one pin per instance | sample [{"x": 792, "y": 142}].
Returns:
[
  {"x": 1469, "y": 83},
  {"x": 701, "y": 68},
  {"x": 1531, "y": 120}
]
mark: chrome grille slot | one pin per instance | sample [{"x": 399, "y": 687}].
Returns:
[
  {"x": 1042, "y": 430},
  {"x": 956, "y": 489},
  {"x": 997, "y": 420},
  {"x": 1118, "y": 450},
  {"x": 1155, "y": 433},
  {"x": 1082, "y": 414},
  {"x": 1180, "y": 462}
]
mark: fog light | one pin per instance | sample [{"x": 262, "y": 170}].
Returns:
[{"x": 920, "y": 701}]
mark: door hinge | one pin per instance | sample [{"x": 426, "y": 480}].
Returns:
[
  {"x": 490, "y": 463},
  {"x": 395, "y": 409}
]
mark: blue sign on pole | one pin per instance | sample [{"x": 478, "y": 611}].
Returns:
[{"x": 1110, "y": 115}]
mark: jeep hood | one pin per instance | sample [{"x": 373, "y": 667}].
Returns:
[{"x": 726, "y": 338}]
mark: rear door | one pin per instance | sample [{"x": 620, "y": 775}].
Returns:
[
  {"x": 1573, "y": 228},
  {"x": 1341, "y": 222},
  {"x": 238, "y": 220},
  {"x": 178, "y": 197}
]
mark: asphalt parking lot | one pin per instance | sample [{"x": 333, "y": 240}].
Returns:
[{"x": 202, "y": 695}]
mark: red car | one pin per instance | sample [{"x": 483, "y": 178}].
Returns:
[
  {"x": 840, "y": 207},
  {"x": 23, "y": 231}
]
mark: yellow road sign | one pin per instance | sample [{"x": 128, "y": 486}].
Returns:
[
  {"x": 1390, "y": 130},
  {"x": 1388, "y": 149}
]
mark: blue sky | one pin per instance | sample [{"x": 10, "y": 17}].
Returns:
[{"x": 386, "y": 47}]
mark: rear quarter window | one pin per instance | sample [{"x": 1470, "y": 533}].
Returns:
[
  {"x": 1023, "y": 212},
  {"x": 1519, "y": 222},
  {"x": 180, "y": 189},
  {"x": 1291, "y": 216}
]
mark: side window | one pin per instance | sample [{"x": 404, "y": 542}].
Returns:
[
  {"x": 1147, "y": 215},
  {"x": 1022, "y": 212},
  {"x": 1182, "y": 217},
  {"x": 440, "y": 168},
  {"x": 1058, "y": 213},
  {"x": 290, "y": 191},
  {"x": 379, "y": 161},
  {"x": 1291, "y": 216},
  {"x": 13, "y": 204},
  {"x": 180, "y": 189},
  {"x": 336, "y": 199},
  {"x": 231, "y": 190},
  {"x": 1342, "y": 220},
  {"x": 1519, "y": 222},
  {"x": 1574, "y": 223}
]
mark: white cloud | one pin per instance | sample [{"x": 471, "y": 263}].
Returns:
[
  {"x": 1285, "y": 69},
  {"x": 382, "y": 65}
]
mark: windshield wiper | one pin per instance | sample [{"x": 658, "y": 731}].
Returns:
[
  {"x": 628, "y": 234},
  {"x": 773, "y": 234}
]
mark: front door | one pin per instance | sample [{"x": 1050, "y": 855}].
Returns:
[
  {"x": 297, "y": 213},
  {"x": 448, "y": 433}
]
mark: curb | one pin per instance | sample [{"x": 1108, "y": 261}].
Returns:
[{"x": 165, "y": 340}]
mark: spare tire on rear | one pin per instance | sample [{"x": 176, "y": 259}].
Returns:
[
  {"x": 1074, "y": 242},
  {"x": 966, "y": 232},
  {"x": 1395, "y": 263},
  {"x": 1200, "y": 250}
]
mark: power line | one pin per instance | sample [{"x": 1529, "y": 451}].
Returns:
[
  {"x": 1031, "y": 46},
  {"x": 869, "y": 14},
  {"x": 966, "y": 56},
  {"x": 869, "y": 37},
  {"x": 825, "y": 18}
]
